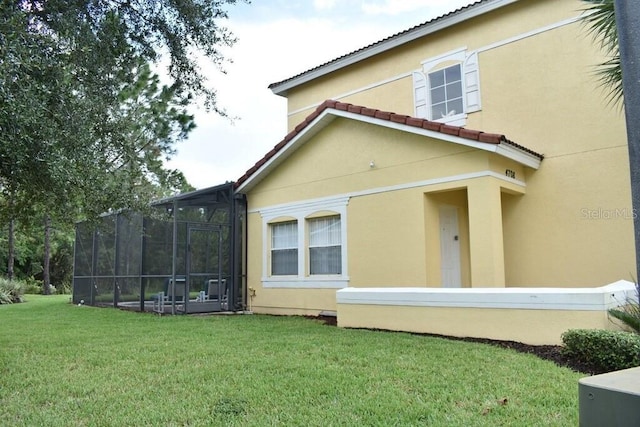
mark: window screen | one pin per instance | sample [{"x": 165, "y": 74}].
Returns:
[
  {"x": 284, "y": 248},
  {"x": 325, "y": 246}
]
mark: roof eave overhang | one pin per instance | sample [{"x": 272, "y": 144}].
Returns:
[
  {"x": 388, "y": 44},
  {"x": 303, "y": 136},
  {"x": 328, "y": 115},
  {"x": 503, "y": 148}
]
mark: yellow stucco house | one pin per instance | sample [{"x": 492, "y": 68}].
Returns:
[{"x": 463, "y": 177}]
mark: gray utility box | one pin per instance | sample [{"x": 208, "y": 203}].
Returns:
[{"x": 611, "y": 400}]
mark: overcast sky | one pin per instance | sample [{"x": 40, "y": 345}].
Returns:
[{"x": 278, "y": 39}]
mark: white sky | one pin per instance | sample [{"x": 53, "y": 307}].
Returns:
[{"x": 278, "y": 39}]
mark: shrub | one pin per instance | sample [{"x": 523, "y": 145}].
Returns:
[
  {"x": 65, "y": 288},
  {"x": 11, "y": 291},
  {"x": 602, "y": 350},
  {"x": 629, "y": 313},
  {"x": 32, "y": 286}
]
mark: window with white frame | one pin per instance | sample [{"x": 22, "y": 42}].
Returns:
[
  {"x": 305, "y": 244},
  {"x": 447, "y": 87},
  {"x": 325, "y": 245},
  {"x": 284, "y": 248}
]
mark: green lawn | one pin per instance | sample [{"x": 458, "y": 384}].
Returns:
[{"x": 64, "y": 365}]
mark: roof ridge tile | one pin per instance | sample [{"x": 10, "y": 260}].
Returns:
[
  {"x": 398, "y": 118},
  {"x": 433, "y": 21}
]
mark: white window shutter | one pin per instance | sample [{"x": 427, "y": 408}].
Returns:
[
  {"x": 420, "y": 95},
  {"x": 472, "y": 83}
]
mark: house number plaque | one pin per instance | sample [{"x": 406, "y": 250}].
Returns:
[{"x": 510, "y": 173}]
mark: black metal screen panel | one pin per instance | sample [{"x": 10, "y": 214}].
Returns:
[
  {"x": 128, "y": 259},
  {"x": 158, "y": 248}
]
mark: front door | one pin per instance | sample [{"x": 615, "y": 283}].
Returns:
[{"x": 449, "y": 247}]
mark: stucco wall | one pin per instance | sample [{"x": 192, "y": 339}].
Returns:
[
  {"x": 377, "y": 81},
  {"x": 534, "y": 316},
  {"x": 527, "y": 326},
  {"x": 539, "y": 88},
  {"x": 391, "y": 213}
]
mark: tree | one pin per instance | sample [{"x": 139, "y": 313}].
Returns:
[
  {"x": 29, "y": 248},
  {"x": 93, "y": 30},
  {"x": 73, "y": 77},
  {"x": 85, "y": 125}
]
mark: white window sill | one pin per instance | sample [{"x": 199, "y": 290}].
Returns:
[
  {"x": 313, "y": 282},
  {"x": 457, "y": 120}
]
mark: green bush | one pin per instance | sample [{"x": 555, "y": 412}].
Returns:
[
  {"x": 11, "y": 291},
  {"x": 65, "y": 288},
  {"x": 32, "y": 286},
  {"x": 602, "y": 350}
]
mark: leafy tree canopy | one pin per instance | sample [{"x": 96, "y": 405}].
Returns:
[
  {"x": 97, "y": 32},
  {"x": 85, "y": 125}
]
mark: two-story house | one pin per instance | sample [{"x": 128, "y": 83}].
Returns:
[{"x": 463, "y": 177}]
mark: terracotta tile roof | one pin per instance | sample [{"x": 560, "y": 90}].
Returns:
[
  {"x": 474, "y": 135},
  {"x": 393, "y": 37}
]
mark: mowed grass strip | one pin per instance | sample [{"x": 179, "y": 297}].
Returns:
[{"x": 64, "y": 365}]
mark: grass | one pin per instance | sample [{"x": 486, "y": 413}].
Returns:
[{"x": 64, "y": 365}]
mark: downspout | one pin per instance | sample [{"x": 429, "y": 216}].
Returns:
[
  {"x": 237, "y": 250},
  {"x": 240, "y": 239},
  {"x": 244, "y": 248}
]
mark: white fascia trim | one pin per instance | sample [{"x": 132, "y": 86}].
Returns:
[
  {"x": 530, "y": 34},
  {"x": 342, "y": 199},
  {"x": 354, "y": 92},
  {"x": 306, "y": 207},
  {"x": 571, "y": 299},
  {"x": 504, "y": 150},
  {"x": 518, "y": 155},
  {"x": 434, "y": 181},
  {"x": 306, "y": 283},
  {"x": 393, "y": 42}
]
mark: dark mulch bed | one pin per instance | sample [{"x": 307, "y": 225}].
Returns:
[
  {"x": 552, "y": 353},
  {"x": 546, "y": 352}
]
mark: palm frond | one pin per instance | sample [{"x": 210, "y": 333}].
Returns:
[
  {"x": 600, "y": 20},
  {"x": 609, "y": 75},
  {"x": 629, "y": 313},
  {"x": 630, "y": 319}
]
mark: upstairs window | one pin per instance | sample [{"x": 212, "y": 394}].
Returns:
[
  {"x": 325, "y": 245},
  {"x": 284, "y": 248},
  {"x": 445, "y": 88}
]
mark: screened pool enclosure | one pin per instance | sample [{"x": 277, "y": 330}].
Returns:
[{"x": 183, "y": 257}]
